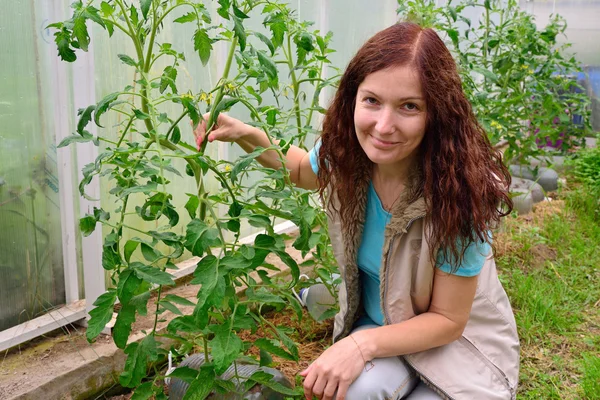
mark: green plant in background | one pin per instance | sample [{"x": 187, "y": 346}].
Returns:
[
  {"x": 517, "y": 77},
  {"x": 140, "y": 162}
]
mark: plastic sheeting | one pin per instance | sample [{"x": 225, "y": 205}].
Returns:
[{"x": 31, "y": 267}]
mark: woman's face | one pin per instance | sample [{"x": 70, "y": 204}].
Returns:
[{"x": 390, "y": 116}]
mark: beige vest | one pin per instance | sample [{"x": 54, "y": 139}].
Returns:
[{"x": 484, "y": 363}]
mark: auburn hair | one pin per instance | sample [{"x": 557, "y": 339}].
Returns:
[{"x": 464, "y": 182}]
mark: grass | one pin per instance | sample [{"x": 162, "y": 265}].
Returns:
[{"x": 549, "y": 265}]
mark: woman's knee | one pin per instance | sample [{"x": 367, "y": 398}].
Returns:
[{"x": 390, "y": 378}]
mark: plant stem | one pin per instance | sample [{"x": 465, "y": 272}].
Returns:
[{"x": 295, "y": 87}]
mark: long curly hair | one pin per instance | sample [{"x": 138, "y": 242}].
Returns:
[{"x": 464, "y": 182}]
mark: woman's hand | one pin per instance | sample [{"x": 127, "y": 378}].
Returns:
[
  {"x": 226, "y": 129},
  {"x": 334, "y": 370}
]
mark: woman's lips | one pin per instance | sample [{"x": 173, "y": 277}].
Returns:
[{"x": 383, "y": 143}]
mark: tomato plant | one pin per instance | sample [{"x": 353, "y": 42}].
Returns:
[
  {"x": 518, "y": 78},
  {"x": 141, "y": 160}
]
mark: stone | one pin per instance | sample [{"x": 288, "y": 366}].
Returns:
[
  {"x": 548, "y": 179},
  {"x": 521, "y": 171},
  {"x": 522, "y": 201},
  {"x": 555, "y": 162},
  {"x": 536, "y": 190}
]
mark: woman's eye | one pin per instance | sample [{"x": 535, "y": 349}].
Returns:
[
  {"x": 410, "y": 106},
  {"x": 370, "y": 100}
]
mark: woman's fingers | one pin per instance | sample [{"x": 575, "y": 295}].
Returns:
[
  {"x": 200, "y": 131},
  {"x": 330, "y": 389},
  {"x": 319, "y": 387},
  {"x": 309, "y": 381},
  {"x": 342, "y": 390}
]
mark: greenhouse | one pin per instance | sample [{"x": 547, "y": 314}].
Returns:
[{"x": 241, "y": 199}]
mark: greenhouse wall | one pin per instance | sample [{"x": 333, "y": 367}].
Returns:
[{"x": 44, "y": 262}]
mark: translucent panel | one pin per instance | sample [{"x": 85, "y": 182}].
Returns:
[
  {"x": 31, "y": 268},
  {"x": 583, "y": 32}
]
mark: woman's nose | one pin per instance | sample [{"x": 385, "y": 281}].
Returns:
[{"x": 385, "y": 124}]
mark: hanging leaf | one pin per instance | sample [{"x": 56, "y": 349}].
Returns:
[
  {"x": 127, "y": 60},
  {"x": 266, "y": 41},
  {"x": 85, "y": 118},
  {"x": 145, "y": 7},
  {"x": 81, "y": 33},
  {"x": 225, "y": 348},
  {"x": 268, "y": 65},
  {"x": 138, "y": 357},
  {"x": 83, "y": 137},
  {"x": 103, "y": 105},
  {"x": 203, "y": 45},
  {"x": 153, "y": 274},
  {"x": 240, "y": 32},
  {"x": 63, "y": 43},
  {"x": 101, "y": 314},
  {"x": 189, "y": 17},
  {"x": 122, "y": 328}
]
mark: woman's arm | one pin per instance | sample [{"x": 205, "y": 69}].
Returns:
[
  {"x": 443, "y": 323},
  {"x": 229, "y": 129}
]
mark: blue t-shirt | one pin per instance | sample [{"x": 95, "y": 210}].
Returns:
[{"x": 371, "y": 249}]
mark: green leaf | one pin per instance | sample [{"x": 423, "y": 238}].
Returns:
[
  {"x": 87, "y": 225},
  {"x": 85, "y": 117},
  {"x": 267, "y": 380},
  {"x": 240, "y": 32},
  {"x": 239, "y": 13},
  {"x": 206, "y": 271},
  {"x": 179, "y": 300},
  {"x": 81, "y": 33},
  {"x": 128, "y": 285},
  {"x": 265, "y": 358},
  {"x": 487, "y": 73},
  {"x": 148, "y": 188},
  {"x": 262, "y": 295},
  {"x": 202, "y": 386},
  {"x": 103, "y": 105},
  {"x": 189, "y": 17},
  {"x": 278, "y": 29},
  {"x": 149, "y": 253},
  {"x": 171, "y": 307},
  {"x": 127, "y": 60},
  {"x": 168, "y": 79},
  {"x": 153, "y": 275},
  {"x": 199, "y": 237},
  {"x": 122, "y": 328},
  {"x": 138, "y": 356},
  {"x": 453, "y": 34},
  {"x": 203, "y": 45},
  {"x": 63, "y": 43},
  {"x": 83, "y": 137},
  {"x": 107, "y": 9},
  {"x": 266, "y": 41},
  {"x": 143, "y": 392},
  {"x": 176, "y": 135},
  {"x": 290, "y": 262},
  {"x": 145, "y": 7},
  {"x": 223, "y": 11},
  {"x": 110, "y": 258},
  {"x": 101, "y": 314},
  {"x": 243, "y": 162},
  {"x": 184, "y": 373},
  {"x": 140, "y": 114},
  {"x": 192, "y": 205},
  {"x": 268, "y": 65},
  {"x": 130, "y": 247},
  {"x": 225, "y": 348},
  {"x": 273, "y": 347}
]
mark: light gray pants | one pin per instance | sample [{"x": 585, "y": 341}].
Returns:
[{"x": 390, "y": 379}]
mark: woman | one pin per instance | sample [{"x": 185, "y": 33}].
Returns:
[{"x": 413, "y": 188}]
